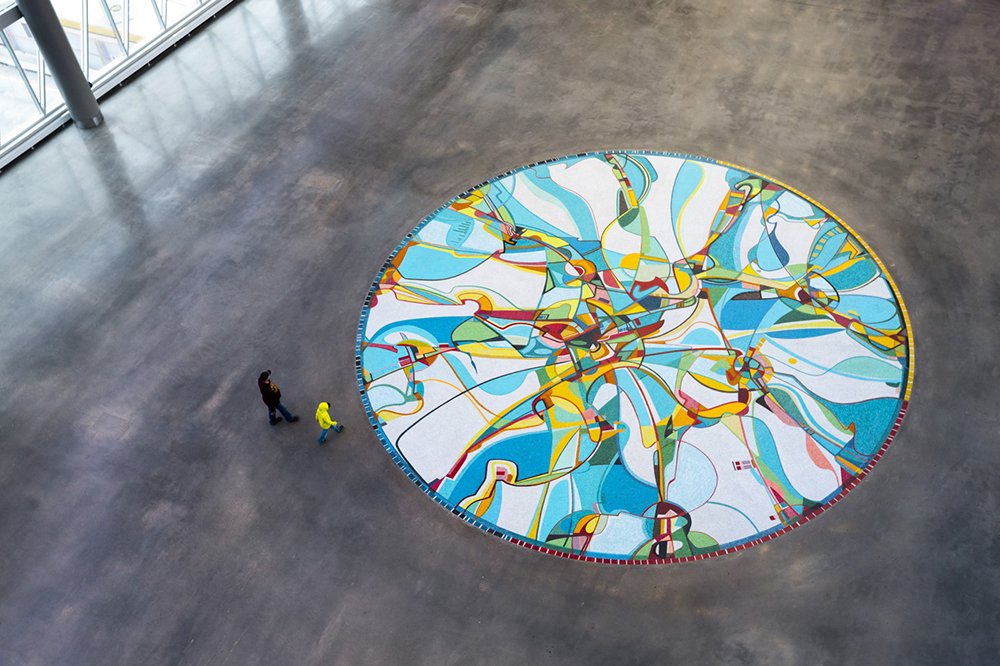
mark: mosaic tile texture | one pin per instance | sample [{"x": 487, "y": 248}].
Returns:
[{"x": 634, "y": 357}]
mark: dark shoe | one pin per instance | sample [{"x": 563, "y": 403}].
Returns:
[
  {"x": 322, "y": 442},
  {"x": 339, "y": 428},
  {"x": 293, "y": 419},
  {"x": 277, "y": 421}
]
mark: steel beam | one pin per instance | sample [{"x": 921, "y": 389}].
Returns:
[
  {"x": 52, "y": 42},
  {"x": 8, "y": 15}
]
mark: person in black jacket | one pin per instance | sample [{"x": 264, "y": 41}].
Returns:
[{"x": 271, "y": 395}]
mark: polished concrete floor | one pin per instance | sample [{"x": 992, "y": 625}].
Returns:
[{"x": 247, "y": 188}]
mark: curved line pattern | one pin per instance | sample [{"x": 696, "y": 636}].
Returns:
[{"x": 629, "y": 402}]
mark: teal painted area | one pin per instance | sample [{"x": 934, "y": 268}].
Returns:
[{"x": 688, "y": 180}]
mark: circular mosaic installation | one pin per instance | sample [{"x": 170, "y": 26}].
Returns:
[{"x": 634, "y": 357}]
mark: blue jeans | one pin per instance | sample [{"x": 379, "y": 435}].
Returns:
[
  {"x": 326, "y": 431},
  {"x": 284, "y": 412}
]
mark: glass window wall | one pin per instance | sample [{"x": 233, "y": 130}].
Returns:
[{"x": 110, "y": 38}]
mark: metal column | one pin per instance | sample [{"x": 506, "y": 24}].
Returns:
[{"x": 52, "y": 42}]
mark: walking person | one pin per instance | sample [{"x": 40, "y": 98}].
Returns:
[
  {"x": 325, "y": 422},
  {"x": 271, "y": 395}
]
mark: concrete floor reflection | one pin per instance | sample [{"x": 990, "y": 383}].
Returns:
[{"x": 236, "y": 207}]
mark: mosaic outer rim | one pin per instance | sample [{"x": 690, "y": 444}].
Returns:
[{"x": 405, "y": 467}]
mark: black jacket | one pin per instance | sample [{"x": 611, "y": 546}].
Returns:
[{"x": 269, "y": 393}]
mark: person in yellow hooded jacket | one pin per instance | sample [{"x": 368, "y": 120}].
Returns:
[{"x": 325, "y": 422}]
